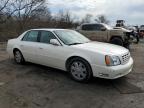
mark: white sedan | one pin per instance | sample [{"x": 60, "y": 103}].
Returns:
[{"x": 70, "y": 51}]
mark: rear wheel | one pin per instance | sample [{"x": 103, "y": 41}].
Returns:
[
  {"x": 18, "y": 57},
  {"x": 80, "y": 70},
  {"x": 117, "y": 41}
]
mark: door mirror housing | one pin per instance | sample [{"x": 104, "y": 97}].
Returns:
[
  {"x": 55, "y": 42},
  {"x": 103, "y": 29}
]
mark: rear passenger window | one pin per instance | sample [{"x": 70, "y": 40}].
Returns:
[
  {"x": 31, "y": 36},
  {"x": 46, "y": 36}
]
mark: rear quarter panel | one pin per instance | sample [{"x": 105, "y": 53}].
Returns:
[{"x": 12, "y": 43}]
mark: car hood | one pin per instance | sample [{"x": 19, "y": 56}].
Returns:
[
  {"x": 120, "y": 30},
  {"x": 104, "y": 48}
]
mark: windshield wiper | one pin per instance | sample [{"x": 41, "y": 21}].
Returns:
[{"x": 75, "y": 43}]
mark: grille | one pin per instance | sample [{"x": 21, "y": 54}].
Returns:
[{"x": 125, "y": 58}]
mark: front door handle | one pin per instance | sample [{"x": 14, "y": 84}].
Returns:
[{"x": 21, "y": 45}]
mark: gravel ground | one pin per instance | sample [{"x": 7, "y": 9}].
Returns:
[{"x": 36, "y": 86}]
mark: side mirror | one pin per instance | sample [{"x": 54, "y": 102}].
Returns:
[
  {"x": 55, "y": 42},
  {"x": 103, "y": 29}
]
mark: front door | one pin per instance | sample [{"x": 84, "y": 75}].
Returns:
[{"x": 48, "y": 54}]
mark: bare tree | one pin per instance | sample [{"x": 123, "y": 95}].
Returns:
[
  {"x": 3, "y": 7},
  {"x": 64, "y": 19},
  {"x": 46, "y": 15},
  {"x": 87, "y": 18},
  {"x": 64, "y": 16},
  {"x": 27, "y": 10},
  {"x": 102, "y": 19}
]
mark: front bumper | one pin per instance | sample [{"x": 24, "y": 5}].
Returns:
[{"x": 112, "y": 72}]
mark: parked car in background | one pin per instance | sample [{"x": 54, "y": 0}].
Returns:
[
  {"x": 141, "y": 31},
  {"x": 105, "y": 33},
  {"x": 142, "y": 26},
  {"x": 134, "y": 33},
  {"x": 70, "y": 51}
]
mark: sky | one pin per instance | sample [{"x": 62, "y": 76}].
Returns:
[{"x": 132, "y": 11}]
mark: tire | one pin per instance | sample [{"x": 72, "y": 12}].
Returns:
[
  {"x": 117, "y": 41},
  {"x": 80, "y": 70},
  {"x": 18, "y": 57}
]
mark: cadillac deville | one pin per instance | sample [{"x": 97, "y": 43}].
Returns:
[{"x": 70, "y": 51}]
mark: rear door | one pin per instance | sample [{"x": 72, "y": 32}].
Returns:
[{"x": 28, "y": 45}]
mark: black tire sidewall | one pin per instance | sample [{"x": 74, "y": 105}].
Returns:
[
  {"x": 117, "y": 41},
  {"x": 22, "y": 58},
  {"x": 88, "y": 67}
]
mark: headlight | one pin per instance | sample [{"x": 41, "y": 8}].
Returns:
[{"x": 112, "y": 60}]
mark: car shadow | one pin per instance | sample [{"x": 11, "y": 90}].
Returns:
[
  {"x": 121, "y": 85},
  {"x": 64, "y": 77}
]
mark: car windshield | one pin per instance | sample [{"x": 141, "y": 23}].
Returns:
[{"x": 70, "y": 37}]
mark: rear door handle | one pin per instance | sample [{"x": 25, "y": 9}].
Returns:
[{"x": 21, "y": 45}]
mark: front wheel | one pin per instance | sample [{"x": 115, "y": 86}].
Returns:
[
  {"x": 117, "y": 41},
  {"x": 80, "y": 70}
]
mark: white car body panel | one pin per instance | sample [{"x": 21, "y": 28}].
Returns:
[{"x": 56, "y": 56}]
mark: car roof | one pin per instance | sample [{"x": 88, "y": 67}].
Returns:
[{"x": 49, "y": 29}]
